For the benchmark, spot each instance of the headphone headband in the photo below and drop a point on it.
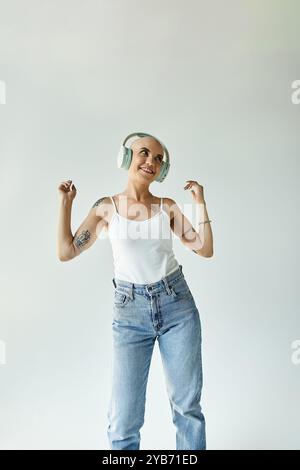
(144, 134)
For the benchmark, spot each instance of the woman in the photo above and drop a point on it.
(152, 299)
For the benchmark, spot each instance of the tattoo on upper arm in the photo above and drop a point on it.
(82, 239)
(98, 202)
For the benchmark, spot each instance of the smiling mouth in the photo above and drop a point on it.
(149, 172)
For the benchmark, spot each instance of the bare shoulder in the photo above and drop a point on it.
(102, 201)
(169, 205)
(102, 207)
(169, 201)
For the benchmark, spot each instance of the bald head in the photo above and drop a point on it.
(149, 142)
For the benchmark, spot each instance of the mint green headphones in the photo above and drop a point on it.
(125, 156)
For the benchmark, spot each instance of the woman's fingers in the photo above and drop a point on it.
(189, 184)
(67, 185)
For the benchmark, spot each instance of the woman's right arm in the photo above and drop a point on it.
(69, 246)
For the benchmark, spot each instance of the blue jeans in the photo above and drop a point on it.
(166, 311)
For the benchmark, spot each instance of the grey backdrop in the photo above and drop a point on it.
(214, 80)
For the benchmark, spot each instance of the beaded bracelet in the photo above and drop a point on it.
(205, 222)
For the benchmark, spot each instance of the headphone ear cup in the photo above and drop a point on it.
(124, 157)
(128, 158)
(163, 172)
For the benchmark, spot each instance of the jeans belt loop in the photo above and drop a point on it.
(131, 291)
(169, 291)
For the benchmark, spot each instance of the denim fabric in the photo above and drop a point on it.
(166, 311)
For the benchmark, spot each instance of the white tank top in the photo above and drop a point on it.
(142, 249)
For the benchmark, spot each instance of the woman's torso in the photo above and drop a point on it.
(141, 239)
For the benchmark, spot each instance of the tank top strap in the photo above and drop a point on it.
(161, 203)
(114, 203)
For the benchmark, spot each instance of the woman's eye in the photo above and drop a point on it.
(159, 158)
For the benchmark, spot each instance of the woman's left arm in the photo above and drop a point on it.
(204, 231)
(200, 241)
(203, 222)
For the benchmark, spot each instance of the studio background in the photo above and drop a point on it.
(213, 80)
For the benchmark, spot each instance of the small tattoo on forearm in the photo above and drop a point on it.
(82, 239)
(98, 202)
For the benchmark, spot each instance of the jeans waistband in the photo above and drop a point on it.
(151, 288)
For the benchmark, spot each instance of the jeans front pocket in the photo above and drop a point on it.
(181, 289)
(121, 298)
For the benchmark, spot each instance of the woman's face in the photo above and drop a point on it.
(147, 158)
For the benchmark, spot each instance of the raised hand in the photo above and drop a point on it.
(67, 190)
(197, 191)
